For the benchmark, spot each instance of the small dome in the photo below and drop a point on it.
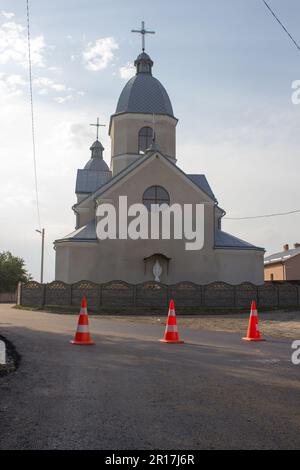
(144, 93)
(96, 162)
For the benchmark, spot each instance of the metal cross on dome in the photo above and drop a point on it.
(143, 32)
(98, 125)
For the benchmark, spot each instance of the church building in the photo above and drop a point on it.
(144, 168)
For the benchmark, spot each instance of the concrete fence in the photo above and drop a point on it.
(8, 297)
(118, 295)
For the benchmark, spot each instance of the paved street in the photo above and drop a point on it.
(130, 391)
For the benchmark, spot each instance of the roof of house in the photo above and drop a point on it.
(225, 240)
(282, 256)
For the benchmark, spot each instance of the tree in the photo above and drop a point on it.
(12, 271)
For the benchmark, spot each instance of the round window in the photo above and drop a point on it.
(155, 195)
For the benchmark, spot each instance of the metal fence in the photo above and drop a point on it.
(121, 295)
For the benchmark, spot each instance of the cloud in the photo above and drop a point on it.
(8, 15)
(63, 99)
(127, 71)
(99, 54)
(13, 46)
(10, 86)
(47, 83)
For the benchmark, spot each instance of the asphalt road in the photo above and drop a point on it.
(130, 391)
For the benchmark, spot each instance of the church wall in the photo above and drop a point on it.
(85, 215)
(62, 260)
(124, 135)
(236, 265)
(99, 263)
(107, 260)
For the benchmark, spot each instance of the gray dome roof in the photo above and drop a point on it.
(144, 93)
(96, 162)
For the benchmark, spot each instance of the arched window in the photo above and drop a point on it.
(145, 138)
(155, 195)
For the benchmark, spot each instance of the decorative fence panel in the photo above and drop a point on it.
(33, 294)
(90, 290)
(58, 293)
(268, 295)
(119, 294)
(219, 294)
(151, 294)
(287, 294)
(244, 294)
(186, 294)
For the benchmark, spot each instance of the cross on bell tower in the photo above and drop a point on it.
(143, 32)
(98, 125)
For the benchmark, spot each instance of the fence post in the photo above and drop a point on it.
(278, 298)
(234, 296)
(19, 290)
(71, 295)
(44, 295)
(134, 295)
(100, 297)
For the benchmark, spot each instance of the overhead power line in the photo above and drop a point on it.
(283, 27)
(32, 117)
(279, 214)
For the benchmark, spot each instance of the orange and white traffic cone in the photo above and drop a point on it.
(253, 333)
(171, 333)
(82, 335)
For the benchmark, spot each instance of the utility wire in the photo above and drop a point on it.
(32, 117)
(283, 27)
(263, 216)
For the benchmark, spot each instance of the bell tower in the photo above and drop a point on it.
(144, 113)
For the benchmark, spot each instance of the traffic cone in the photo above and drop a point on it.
(253, 333)
(171, 333)
(82, 335)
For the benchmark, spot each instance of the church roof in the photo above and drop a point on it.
(96, 161)
(144, 93)
(225, 240)
(222, 239)
(201, 181)
(85, 233)
(89, 180)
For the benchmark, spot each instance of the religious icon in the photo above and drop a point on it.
(157, 271)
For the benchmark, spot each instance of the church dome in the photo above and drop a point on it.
(144, 93)
(96, 162)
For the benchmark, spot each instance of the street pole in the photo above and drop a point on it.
(42, 255)
(42, 232)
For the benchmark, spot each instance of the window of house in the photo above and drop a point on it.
(145, 138)
(155, 195)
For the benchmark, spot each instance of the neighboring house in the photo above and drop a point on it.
(283, 266)
(145, 169)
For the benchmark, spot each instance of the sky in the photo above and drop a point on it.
(228, 68)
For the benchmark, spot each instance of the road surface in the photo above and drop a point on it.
(130, 391)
